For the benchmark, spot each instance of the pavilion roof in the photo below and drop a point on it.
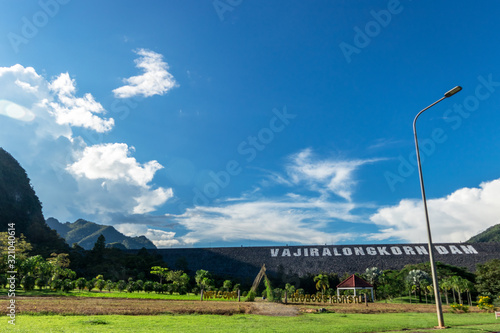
(354, 281)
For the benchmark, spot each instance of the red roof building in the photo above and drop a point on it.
(354, 282)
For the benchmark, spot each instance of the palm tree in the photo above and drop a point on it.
(322, 282)
(445, 285)
(456, 282)
(416, 277)
(468, 287)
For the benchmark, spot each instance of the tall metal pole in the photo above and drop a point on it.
(439, 308)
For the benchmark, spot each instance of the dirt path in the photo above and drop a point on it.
(274, 309)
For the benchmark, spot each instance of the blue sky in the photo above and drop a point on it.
(232, 122)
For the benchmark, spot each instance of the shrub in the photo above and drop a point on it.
(485, 303)
(121, 285)
(28, 282)
(250, 296)
(67, 285)
(456, 308)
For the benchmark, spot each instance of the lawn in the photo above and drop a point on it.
(321, 322)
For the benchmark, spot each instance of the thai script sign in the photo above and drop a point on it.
(319, 298)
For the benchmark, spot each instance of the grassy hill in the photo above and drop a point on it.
(491, 234)
(85, 234)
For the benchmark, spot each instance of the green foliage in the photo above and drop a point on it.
(227, 284)
(492, 234)
(81, 283)
(28, 282)
(203, 279)
(160, 271)
(90, 285)
(250, 296)
(488, 278)
(485, 303)
(56, 284)
(121, 285)
(322, 282)
(456, 308)
(100, 284)
(269, 289)
(67, 285)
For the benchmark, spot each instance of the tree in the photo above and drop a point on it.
(415, 278)
(445, 285)
(100, 284)
(67, 285)
(56, 284)
(227, 284)
(488, 278)
(90, 284)
(100, 244)
(148, 286)
(203, 279)
(109, 285)
(81, 283)
(121, 285)
(28, 282)
(160, 271)
(372, 275)
(322, 282)
(21, 245)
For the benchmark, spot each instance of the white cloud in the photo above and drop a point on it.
(123, 175)
(289, 221)
(101, 179)
(325, 176)
(149, 201)
(156, 80)
(454, 218)
(160, 238)
(112, 161)
(76, 111)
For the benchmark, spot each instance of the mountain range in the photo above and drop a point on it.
(85, 234)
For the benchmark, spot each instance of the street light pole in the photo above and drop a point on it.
(437, 296)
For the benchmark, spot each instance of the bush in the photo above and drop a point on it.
(67, 285)
(485, 303)
(56, 284)
(456, 308)
(28, 282)
(250, 296)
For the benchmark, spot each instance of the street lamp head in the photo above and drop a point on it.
(452, 91)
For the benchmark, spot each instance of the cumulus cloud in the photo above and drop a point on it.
(156, 80)
(325, 175)
(117, 173)
(76, 111)
(71, 177)
(112, 161)
(454, 218)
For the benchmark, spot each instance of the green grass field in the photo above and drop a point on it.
(326, 322)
